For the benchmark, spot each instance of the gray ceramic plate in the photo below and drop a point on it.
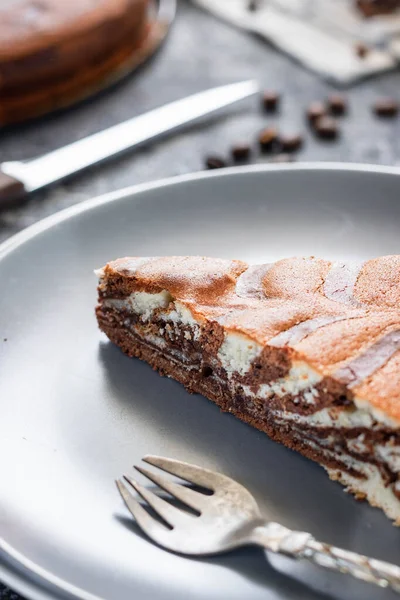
(76, 413)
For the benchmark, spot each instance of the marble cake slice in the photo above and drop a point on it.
(304, 349)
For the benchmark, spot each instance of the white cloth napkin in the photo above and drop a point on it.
(321, 34)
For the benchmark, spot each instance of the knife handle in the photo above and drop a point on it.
(10, 189)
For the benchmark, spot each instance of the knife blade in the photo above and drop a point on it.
(18, 178)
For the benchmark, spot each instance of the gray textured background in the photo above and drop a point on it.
(201, 52)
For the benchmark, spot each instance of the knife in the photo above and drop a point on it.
(18, 178)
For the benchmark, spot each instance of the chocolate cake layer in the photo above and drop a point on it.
(305, 350)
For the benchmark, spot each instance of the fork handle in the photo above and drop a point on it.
(298, 544)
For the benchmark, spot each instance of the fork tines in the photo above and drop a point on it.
(171, 515)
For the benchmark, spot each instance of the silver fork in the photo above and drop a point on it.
(230, 518)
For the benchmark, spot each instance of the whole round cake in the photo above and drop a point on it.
(54, 52)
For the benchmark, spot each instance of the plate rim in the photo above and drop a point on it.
(133, 190)
(17, 571)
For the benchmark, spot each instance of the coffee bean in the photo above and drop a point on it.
(240, 152)
(215, 162)
(290, 143)
(361, 49)
(270, 100)
(337, 104)
(315, 111)
(371, 8)
(326, 128)
(253, 5)
(268, 139)
(386, 107)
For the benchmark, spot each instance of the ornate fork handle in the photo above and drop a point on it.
(298, 544)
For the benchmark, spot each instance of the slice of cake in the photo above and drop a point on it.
(306, 350)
